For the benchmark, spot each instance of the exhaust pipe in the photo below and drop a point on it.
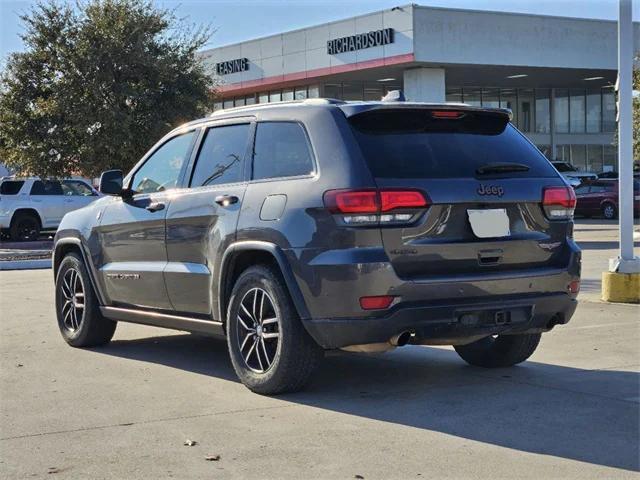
(401, 339)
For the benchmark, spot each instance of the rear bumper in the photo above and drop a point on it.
(524, 314)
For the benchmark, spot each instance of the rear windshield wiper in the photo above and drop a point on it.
(501, 168)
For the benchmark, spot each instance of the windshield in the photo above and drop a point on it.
(413, 144)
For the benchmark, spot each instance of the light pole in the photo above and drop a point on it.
(622, 282)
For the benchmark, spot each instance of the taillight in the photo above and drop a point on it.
(372, 207)
(558, 202)
(447, 114)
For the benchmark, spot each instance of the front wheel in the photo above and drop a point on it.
(25, 227)
(270, 350)
(500, 350)
(79, 319)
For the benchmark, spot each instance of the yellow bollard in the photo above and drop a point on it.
(621, 287)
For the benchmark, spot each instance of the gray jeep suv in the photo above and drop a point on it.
(299, 227)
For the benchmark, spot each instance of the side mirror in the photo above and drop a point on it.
(111, 182)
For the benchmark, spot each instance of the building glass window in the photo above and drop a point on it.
(227, 103)
(314, 91)
(563, 153)
(491, 97)
(287, 95)
(300, 93)
(545, 150)
(333, 90)
(508, 99)
(579, 157)
(594, 158)
(594, 111)
(250, 100)
(454, 95)
(263, 97)
(525, 110)
(472, 96)
(577, 111)
(217, 106)
(608, 110)
(609, 158)
(372, 92)
(561, 110)
(240, 102)
(275, 96)
(352, 91)
(543, 110)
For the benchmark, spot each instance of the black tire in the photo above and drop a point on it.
(25, 227)
(609, 211)
(501, 351)
(80, 327)
(294, 357)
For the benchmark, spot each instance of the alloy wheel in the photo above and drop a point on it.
(72, 299)
(609, 211)
(258, 332)
(27, 229)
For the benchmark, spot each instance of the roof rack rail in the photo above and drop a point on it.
(306, 101)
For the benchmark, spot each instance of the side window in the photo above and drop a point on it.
(11, 187)
(162, 169)
(47, 187)
(582, 189)
(221, 155)
(598, 188)
(281, 150)
(76, 188)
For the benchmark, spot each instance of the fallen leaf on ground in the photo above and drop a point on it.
(212, 458)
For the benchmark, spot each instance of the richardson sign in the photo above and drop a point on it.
(374, 38)
(232, 66)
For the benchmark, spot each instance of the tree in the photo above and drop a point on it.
(97, 85)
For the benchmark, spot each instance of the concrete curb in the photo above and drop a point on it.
(26, 264)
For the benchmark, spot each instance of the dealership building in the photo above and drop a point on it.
(555, 73)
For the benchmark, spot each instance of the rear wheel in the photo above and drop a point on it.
(25, 227)
(79, 319)
(609, 211)
(270, 350)
(500, 350)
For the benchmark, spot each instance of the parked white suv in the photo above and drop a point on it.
(31, 205)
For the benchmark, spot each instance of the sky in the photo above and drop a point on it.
(240, 20)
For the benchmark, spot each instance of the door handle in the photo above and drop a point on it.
(155, 206)
(226, 200)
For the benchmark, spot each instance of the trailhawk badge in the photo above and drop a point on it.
(490, 190)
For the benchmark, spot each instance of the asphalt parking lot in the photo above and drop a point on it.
(125, 410)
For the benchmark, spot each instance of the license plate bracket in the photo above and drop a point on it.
(489, 223)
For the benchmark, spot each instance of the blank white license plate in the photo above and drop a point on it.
(491, 223)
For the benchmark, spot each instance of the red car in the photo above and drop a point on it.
(601, 198)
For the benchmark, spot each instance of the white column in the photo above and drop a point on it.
(424, 85)
(626, 262)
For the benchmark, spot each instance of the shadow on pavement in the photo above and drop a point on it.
(585, 415)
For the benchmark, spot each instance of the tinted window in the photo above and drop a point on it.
(281, 150)
(413, 144)
(11, 187)
(583, 189)
(162, 169)
(220, 158)
(48, 187)
(563, 167)
(76, 188)
(598, 189)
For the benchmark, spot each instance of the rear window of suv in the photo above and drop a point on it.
(11, 187)
(412, 144)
